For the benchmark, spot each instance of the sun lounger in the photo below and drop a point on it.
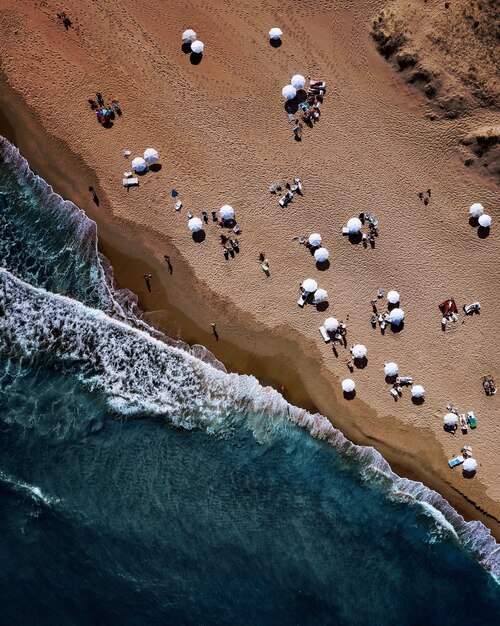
(302, 300)
(178, 205)
(285, 199)
(463, 422)
(404, 380)
(130, 182)
(458, 460)
(393, 391)
(128, 174)
(325, 334)
(345, 230)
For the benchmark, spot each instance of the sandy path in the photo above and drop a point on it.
(223, 137)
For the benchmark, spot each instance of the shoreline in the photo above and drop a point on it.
(69, 176)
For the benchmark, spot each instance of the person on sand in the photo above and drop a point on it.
(147, 278)
(214, 332)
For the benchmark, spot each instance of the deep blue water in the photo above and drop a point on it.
(151, 519)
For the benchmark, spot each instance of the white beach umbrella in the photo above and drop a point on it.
(188, 36)
(485, 220)
(298, 81)
(450, 419)
(315, 240)
(197, 46)
(275, 33)
(396, 316)
(476, 209)
(320, 295)
(348, 385)
(321, 255)
(139, 164)
(354, 225)
(393, 297)
(359, 351)
(288, 92)
(195, 224)
(417, 391)
(309, 285)
(226, 212)
(470, 465)
(150, 155)
(390, 368)
(331, 324)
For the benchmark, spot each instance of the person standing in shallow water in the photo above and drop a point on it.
(215, 333)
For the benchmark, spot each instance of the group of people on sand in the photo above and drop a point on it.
(104, 113)
(309, 108)
(382, 318)
(230, 245)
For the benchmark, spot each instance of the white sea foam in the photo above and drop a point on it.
(33, 491)
(140, 375)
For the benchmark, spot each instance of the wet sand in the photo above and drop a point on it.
(287, 352)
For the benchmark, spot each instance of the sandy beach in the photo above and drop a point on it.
(223, 137)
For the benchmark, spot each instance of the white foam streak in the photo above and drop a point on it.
(32, 490)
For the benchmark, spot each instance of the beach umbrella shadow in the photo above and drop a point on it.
(275, 43)
(483, 232)
(322, 266)
(322, 306)
(361, 363)
(186, 47)
(468, 475)
(397, 329)
(355, 238)
(156, 167)
(473, 221)
(199, 236)
(390, 380)
(349, 395)
(291, 106)
(195, 58)
(418, 401)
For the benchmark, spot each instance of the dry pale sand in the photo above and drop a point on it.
(223, 137)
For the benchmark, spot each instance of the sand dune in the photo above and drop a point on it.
(223, 137)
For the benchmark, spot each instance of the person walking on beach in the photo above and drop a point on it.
(214, 332)
(147, 278)
(170, 268)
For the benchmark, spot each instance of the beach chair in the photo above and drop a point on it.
(285, 199)
(130, 182)
(345, 230)
(394, 392)
(404, 380)
(463, 423)
(178, 205)
(458, 460)
(302, 300)
(324, 333)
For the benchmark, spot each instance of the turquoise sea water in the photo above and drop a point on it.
(140, 485)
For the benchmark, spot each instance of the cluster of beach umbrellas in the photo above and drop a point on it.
(140, 164)
(476, 211)
(321, 254)
(310, 286)
(226, 212)
(189, 37)
(290, 91)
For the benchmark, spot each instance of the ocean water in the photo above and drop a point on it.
(139, 484)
